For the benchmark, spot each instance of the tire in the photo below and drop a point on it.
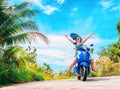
(84, 72)
(79, 77)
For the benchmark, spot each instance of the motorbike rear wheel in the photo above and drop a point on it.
(83, 72)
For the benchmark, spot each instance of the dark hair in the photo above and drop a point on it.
(74, 36)
(79, 37)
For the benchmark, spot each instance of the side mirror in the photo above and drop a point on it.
(91, 45)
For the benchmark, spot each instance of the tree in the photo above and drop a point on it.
(103, 52)
(113, 50)
(118, 27)
(18, 56)
(16, 24)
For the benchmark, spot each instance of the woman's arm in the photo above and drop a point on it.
(87, 37)
(69, 39)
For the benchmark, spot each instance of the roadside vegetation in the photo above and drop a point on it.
(109, 58)
(18, 65)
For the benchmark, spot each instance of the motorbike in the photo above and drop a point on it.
(83, 61)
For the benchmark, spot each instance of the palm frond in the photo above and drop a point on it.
(9, 22)
(24, 26)
(13, 39)
(14, 22)
(21, 6)
(22, 10)
(24, 38)
(27, 13)
(18, 18)
(2, 2)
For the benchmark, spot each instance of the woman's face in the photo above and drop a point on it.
(79, 40)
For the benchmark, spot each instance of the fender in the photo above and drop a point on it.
(84, 64)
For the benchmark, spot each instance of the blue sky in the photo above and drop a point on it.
(59, 17)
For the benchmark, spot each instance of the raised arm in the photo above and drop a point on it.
(69, 39)
(87, 37)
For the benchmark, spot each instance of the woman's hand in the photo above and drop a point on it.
(92, 33)
(65, 35)
(68, 38)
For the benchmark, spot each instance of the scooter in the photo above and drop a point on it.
(83, 61)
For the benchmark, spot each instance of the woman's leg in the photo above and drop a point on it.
(92, 66)
(71, 66)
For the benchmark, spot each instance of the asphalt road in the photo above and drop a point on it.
(91, 83)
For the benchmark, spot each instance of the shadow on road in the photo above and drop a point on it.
(97, 79)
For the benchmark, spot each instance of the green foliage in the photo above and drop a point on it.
(113, 50)
(20, 75)
(19, 66)
(91, 50)
(3, 74)
(15, 25)
(47, 72)
(24, 75)
(109, 62)
(118, 27)
(37, 76)
(106, 67)
(16, 64)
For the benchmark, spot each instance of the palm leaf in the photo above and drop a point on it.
(1, 2)
(21, 6)
(14, 22)
(15, 8)
(9, 22)
(17, 19)
(24, 38)
(24, 26)
(27, 13)
(22, 14)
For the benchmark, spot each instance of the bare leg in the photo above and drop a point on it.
(92, 66)
(71, 66)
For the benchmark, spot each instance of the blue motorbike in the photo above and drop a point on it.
(83, 61)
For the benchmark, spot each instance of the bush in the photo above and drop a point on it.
(93, 74)
(18, 66)
(37, 76)
(3, 75)
(106, 67)
(19, 75)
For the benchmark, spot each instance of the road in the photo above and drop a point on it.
(91, 83)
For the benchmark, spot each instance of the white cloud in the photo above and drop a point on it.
(60, 1)
(55, 56)
(115, 8)
(59, 52)
(54, 53)
(106, 4)
(75, 9)
(47, 9)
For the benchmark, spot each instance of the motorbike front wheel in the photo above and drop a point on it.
(79, 77)
(83, 72)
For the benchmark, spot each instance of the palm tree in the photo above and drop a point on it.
(16, 24)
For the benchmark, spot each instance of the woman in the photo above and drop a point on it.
(78, 42)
